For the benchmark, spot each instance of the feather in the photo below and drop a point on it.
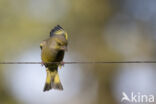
(55, 29)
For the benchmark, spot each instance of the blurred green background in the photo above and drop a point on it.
(99, 30)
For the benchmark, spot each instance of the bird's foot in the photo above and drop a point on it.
(62, 63)
(42, 63)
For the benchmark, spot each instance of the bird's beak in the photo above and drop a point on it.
(64, 48)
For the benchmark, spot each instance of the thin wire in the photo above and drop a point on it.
(84, 62)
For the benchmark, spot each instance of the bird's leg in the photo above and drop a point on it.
(42, 63)
(62, 63)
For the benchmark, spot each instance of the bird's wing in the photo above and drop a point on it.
(42, 44)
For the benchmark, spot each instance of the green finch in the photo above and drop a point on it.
(52, 50)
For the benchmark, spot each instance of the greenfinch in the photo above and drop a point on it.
(53, 50)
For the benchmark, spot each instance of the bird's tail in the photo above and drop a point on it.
(52, 81)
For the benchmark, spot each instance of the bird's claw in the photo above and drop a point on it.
(42, 63)
(62, 63)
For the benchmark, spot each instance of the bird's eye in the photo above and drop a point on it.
(59, 44)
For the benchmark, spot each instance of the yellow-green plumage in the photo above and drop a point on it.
(52, 50)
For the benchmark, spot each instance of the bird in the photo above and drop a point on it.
(53, 50)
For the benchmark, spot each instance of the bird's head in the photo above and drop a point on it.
(61, 43)
(59, 31)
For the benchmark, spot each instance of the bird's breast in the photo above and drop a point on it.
(48, 55)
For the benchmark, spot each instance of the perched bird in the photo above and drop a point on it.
(52, 50)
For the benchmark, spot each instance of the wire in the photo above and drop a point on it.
(83, 62)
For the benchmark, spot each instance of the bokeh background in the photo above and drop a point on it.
(99, 30)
